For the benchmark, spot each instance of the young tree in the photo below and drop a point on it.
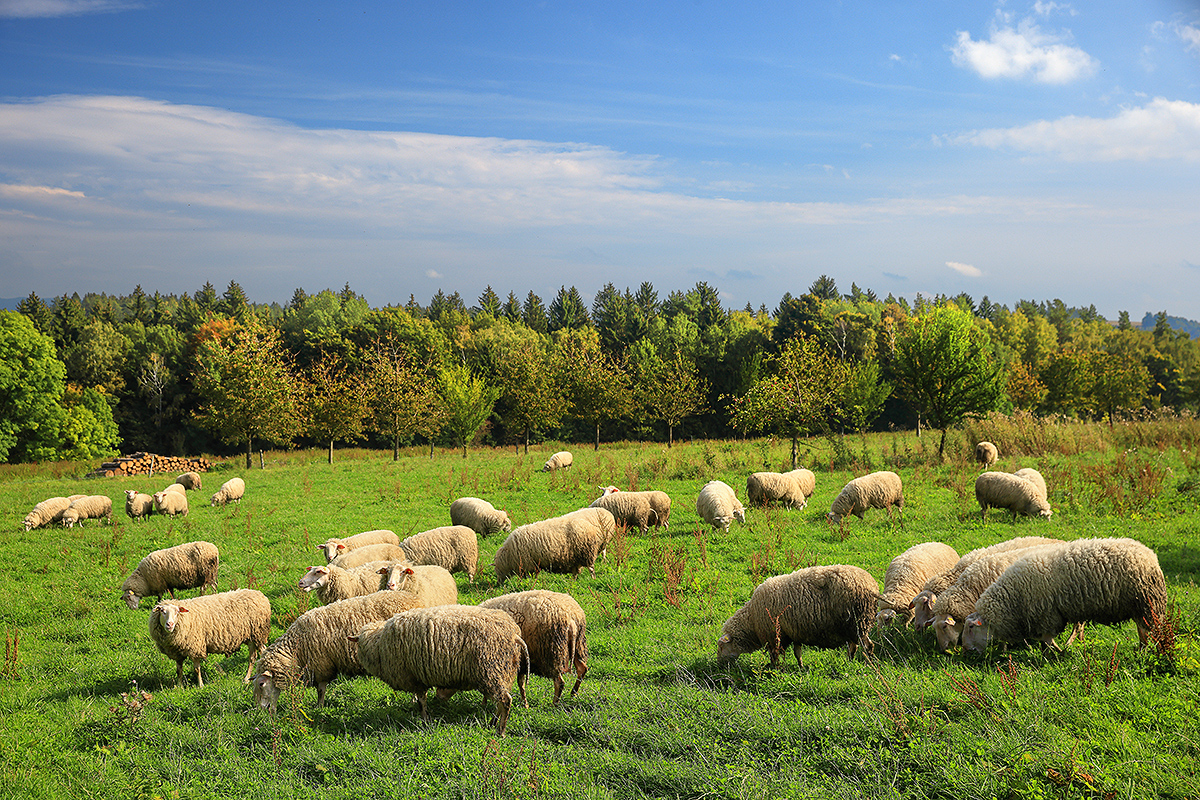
(531, 397)
(335, 402)
(598, 387)
(403, 396)
(31, 386)
(468, 401)
(1119, 382)
(669, 390)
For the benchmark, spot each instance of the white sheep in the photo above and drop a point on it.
(333, 583)
(218, 623)
(315, 648)
(231, 491)
(455, 547)
(95, 506)
(176, 487)
(138, 505)
(454, 648)
(434, 585)
(563, 544)
(1004, 490)
(642, 509)
(171, 503)
(878, 490)
(717, 505)
(554, 628)
(49, 511)
(190, 480)
(1033, 476)
(1089, 580)
(560, 460)
(905, 576)
(824, 607)
(479, 515)
(371, 552)
(986, 453)
(335, 547)
(792, 489)
(184, 566)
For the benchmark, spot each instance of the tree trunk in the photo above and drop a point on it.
(249, 451)
(431, 447)
(395, 448)
(331, 451)
(464, 449)
(527, 441)
(795, 448)
(670, 435)
(597, 447)
(942, 446)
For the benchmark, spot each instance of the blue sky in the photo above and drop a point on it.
(1015, 150)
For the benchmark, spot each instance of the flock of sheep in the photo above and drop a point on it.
(390, 607)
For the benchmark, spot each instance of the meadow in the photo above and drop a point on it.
(88, 706)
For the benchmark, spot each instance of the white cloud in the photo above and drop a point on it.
(964, 269)
(432, 274)
(36, 192)
(1190, 34)
(1024, 51)
(1046, 9)
(29, 9)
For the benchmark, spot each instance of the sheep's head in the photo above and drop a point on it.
(946, 630)
(131, 599)
(885, 617)
(130, 494)
(266, 692)
(607, 490)
(922, 606)
(975, 635)
(168, 615)
(315, 578)
(726, 649)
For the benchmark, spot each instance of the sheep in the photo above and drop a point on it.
(560, 460)
(986, 454)
(171, 503)
(49, 511)
(1002, 490)
(717, 505)
(184, 566)
(455, 547)
(335, 547)
(434, 585)
(334, 583)
(1033, 476)
(554, 628)
(219, 623)
(905, 576)
(231, 491)
(479, 515)
(315, 649)
(138, 505)
(563, 544)
(95, 506)
(189, 480)
(877, 490)
(636, 508)
(450, 647)
(176, 487)
(923, 603)
(817, 606)
(1088, 580)
(790, 488)
(371, 552)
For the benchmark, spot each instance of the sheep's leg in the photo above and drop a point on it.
(851, 649)
(179, 672)
(199, 677)
(1143, 632)
(1076, 633)
(796, 653)
(503, 709)
(420, 698)
(581, 669)
(321, 687)
(559, 683)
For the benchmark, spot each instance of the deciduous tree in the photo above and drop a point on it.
(335, 402)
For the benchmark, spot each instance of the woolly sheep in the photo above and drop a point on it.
(717, 505)
(49, 511)
(231, 491)
(1089, 580)
(315, 649)
(184, 566)
(986, 454)
(450, 647)
(792, 489)
(95, 506)
(219, 623)
(554, 628)
(563, 544)
(138, 505)
(905, 576)
(1003, 490)
(333, 583)
(454, 547)
(1033, 476)
(560, 460)
(434, 585)
(335, 547)
(170, 503)
(822, 607)
(642, 509)
(371, 552)
(877, 490)
(479, 515)
(176, 487)
(189, 480)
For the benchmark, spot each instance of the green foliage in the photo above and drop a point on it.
(31, 387)
(335, 403)
(467, 400)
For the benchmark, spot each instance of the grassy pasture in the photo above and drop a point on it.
(656, 716)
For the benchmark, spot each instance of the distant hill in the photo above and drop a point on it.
(1178, 323)
(11, 303)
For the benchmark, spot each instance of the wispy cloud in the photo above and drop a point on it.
(964, 269)
(30, 9)
(1023, 52)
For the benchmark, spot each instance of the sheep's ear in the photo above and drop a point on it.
(353, 638)
(978, 622)
(408, 570)
(182, 608)
(341, 547)
(382, 571)
(320, 546)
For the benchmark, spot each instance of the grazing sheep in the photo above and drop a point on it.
(334, 583)
(1019, 496)
(170, 503)
(792, 489)
(642, 509)
(138, 505)
(986, 454)
(1089, 580)
(821, 607)
(1033, 476)
(189, 480)
(905, 576)
(315, 648)
(717, 505)
(219, 623)
(231, 491)
(95, 506)
(479, 515)
(49, 511)
(335, 547)
(555, 630)
(184, 566)
(371, 552)
(434, 585)
(454, 547)
(560, 460)
(176, 487)
(563, 544)
(877, 490)
(450, 647)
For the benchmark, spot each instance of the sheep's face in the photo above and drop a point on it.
(975, 635)
(398, 577)
(130, 494)
(70, 517)
(131, 599)
(947, 631)
(330, 550)
(266, 693)
(726, 649)
(922, 606)
(740, 515)
(168, 615)
(29, 521)
(315, 578)
(885, 617)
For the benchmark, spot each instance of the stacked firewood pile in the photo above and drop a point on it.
(150, 464)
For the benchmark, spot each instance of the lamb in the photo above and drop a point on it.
(1089, 580)
(189, 480)
(560, 460)
(877, 490)
(334, 583)
(1033, 476)
(219, 623)
(171, 502)
(986, 454)
(822, 607)
(479, 515)
(95, 506)
(335, 547)
(1002, 490)
(231, 491)
(184, 566)
(790, 488)
(49, 511)
(717, 505)
(563, 544)
(371, 552)
(451, 647)
(554, 628)
(138, 505)
(434, 585)
(315, 648)
(636, 508)
(905, 576)
(454, 547)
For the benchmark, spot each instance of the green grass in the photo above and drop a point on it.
(656, 716)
